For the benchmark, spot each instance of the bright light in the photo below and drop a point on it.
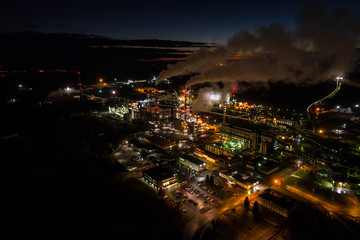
(337, 106)
(100, 91)
(215, 97)
(357, 105)
(68, 89)
(101, 80)
(20, 86)
(276, 181)
(113, 92)
(321, 131)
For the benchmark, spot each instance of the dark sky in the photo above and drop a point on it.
(195, 20)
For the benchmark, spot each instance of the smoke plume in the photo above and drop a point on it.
(322, 45)
(207, 97)
(63, 92)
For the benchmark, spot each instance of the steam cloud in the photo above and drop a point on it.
(63, 92)
(323, 45)
(207, 97)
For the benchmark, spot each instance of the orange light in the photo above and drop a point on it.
(276, 181)
(321, 131)
(101, 80)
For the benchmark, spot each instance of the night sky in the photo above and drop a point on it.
(196, 20)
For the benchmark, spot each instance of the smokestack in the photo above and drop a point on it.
(185, 111)
(156, 105)
(80, 85)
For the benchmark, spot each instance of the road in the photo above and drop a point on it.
(200, 221)
(203, 219)
(332, 94)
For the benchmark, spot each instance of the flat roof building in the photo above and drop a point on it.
(160, 142)
(245, 182)
(160, 177)
(141, 146)
(192, 163)
(277, 202)
(268, 167)
(228, 174)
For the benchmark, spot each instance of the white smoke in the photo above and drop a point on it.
(63, 92)
(324, 44)
(207, 97)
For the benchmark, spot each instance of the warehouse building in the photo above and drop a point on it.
(191, 164)
(246, 136)
(160, 177)
(276, 202)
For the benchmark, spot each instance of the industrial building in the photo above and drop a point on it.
(191, 163)
(160, 142)
(268, 167)
(159, 114)
(266, 144)
(216, 148)
(276, 202)
(247, 136)
(235, 177)
(228, 174)
(245, 181)
(160, 177)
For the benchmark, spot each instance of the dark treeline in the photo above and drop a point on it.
(59, 181)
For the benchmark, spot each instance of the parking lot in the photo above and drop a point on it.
(192, 200)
